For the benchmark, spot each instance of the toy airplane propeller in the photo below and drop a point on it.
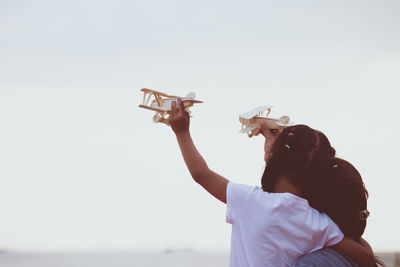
(161, 103)
(251, 121)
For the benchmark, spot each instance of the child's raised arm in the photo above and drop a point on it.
(214, 183)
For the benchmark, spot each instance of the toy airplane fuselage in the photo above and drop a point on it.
(251, 121)
(161, 103)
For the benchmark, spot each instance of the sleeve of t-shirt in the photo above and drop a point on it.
(236, 197)
(333, 235)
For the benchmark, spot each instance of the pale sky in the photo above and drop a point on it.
(83, 168)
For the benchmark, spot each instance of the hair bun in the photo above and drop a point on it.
(324, 151)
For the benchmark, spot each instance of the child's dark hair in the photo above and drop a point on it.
(331, 185)
(290, 155)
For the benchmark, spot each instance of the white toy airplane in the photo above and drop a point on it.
(162, 103)
(252, 120)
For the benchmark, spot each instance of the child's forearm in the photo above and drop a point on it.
(194, 161)
(366, 245)
(363, 256)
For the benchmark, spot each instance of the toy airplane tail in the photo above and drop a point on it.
(191, 95)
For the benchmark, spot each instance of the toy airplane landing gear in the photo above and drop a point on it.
(251, 121)
(161, 103)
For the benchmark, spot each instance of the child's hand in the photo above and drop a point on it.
(270, 136)
(179, 118)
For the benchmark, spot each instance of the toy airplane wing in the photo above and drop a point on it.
(156, 109)
(150, 91)
(255, 112)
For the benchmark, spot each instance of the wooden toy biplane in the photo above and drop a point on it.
(161, 103)
(251, 121)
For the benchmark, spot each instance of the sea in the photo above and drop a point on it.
(133, 259)
(114, 259)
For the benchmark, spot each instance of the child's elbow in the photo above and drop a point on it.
(200, 176)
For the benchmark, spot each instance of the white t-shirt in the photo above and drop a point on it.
(274, 229)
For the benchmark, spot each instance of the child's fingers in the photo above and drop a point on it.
(276, 132)
(263, 125)
(256, 132)
(174, 109)
(180, 104)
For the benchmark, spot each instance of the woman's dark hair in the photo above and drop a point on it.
(335, 187)
(331, 185)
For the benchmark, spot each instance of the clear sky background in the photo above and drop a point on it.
(83, 168)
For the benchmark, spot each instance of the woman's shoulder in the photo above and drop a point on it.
(326, 257)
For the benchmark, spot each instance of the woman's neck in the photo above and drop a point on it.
(283, 185)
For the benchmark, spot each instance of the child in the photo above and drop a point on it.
(269, 229)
